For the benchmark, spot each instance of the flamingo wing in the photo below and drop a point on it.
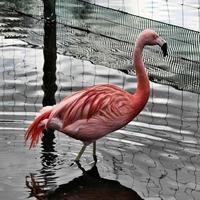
(104, 106)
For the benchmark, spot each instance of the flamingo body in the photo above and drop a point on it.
(91, 113)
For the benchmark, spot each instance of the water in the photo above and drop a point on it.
(156, 155)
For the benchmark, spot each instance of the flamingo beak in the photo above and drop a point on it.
(163, 44)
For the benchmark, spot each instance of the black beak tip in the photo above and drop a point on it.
(164, 49)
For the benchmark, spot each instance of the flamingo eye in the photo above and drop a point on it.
(155, 36)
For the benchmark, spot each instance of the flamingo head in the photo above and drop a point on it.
(150, 37)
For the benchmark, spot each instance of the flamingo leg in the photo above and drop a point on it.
(94, 152)
(80, 153)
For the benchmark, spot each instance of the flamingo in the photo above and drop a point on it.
(96, 111)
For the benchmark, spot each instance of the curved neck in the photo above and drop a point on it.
(143, 88)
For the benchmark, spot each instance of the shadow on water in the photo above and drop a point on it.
(87, 186)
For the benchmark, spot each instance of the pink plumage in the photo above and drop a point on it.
(91, 113)
(86, 115)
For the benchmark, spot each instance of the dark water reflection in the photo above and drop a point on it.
(87, 186)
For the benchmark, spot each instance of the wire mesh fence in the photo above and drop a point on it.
(183, 13)
(106, 36)
(157, 154)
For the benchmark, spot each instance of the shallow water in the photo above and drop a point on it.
(156, 155)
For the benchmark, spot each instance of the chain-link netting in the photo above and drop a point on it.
(157, 154)
(106, 36)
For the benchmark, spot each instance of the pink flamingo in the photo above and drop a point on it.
(92, 113)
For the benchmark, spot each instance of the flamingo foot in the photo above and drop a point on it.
(78, 164)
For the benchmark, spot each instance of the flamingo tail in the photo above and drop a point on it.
(35, 130)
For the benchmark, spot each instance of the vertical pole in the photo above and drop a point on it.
(49, 68)
(49, 51)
